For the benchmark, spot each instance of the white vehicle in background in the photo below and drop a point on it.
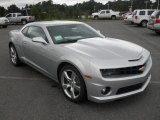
(18, 18)
(106, 14)
(154, 22)
(141, 17)
(128, 18)
(4, 22)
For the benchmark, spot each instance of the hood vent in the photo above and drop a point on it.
(133, 60)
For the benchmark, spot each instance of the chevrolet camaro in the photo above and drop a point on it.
(85, 63)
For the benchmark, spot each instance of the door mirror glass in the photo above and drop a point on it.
(39, 40)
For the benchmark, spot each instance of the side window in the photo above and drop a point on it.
(14, 15)
(107, 11)
(102, 12)
(9, 15)
(24, 31)
(142, 13)
(150, 12)
(34, 31)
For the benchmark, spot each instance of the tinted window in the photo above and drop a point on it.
(103, 12)
(150, 12)
(9, 15)
(73, 32)
(107, 11)
(24, 31)
(14, 15)
(36, 32)
(142, 13)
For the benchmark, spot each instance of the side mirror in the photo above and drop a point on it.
(39, 40)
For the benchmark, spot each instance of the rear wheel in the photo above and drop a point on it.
(14, 56)
(24, 22)
(144, 23)
(72, 84)
(113, 17)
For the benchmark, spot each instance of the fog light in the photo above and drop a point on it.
(105, 90)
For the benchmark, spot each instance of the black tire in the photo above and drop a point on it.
(144, 23)
(24, 22)
(113, 17)
(14, 56)
(82, 94)
(157, 32)
(4, 26)
(96, 17)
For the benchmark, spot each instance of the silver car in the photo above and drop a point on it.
(86, 64)
(154, 22)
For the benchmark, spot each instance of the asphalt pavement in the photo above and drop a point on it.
(26, 94)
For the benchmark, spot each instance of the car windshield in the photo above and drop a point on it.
(71, 33)
(155, 14)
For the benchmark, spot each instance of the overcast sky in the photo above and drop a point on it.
(21, 3)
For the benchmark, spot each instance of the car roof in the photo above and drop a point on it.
(54, 23)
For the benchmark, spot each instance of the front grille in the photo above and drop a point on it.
(129, 88)
(123, 71)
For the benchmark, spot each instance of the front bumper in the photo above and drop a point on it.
(94, 88)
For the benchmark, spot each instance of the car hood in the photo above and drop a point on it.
(106, 49)
(3, 18)
(95, 13)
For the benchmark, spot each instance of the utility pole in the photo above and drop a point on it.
(146, 3)
(131, 3)
(158, 4)
(108, 6)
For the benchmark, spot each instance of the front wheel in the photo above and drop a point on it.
(96, 18)
(113, 17)
(72, 84)
(14, 56)
(24, 22)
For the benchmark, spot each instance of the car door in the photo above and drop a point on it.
(102, 14)
(108, 14)
(9, 17)
(37, 54)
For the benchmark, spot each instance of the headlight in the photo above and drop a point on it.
(123, 71)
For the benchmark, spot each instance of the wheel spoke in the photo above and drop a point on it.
(73, 76)
(66, 76)
(72, 93)
(66, 86)
(76, 87)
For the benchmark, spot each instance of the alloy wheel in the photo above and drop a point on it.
(13, 55)
(70, 84)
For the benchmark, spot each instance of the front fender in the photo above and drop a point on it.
(82, 64)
